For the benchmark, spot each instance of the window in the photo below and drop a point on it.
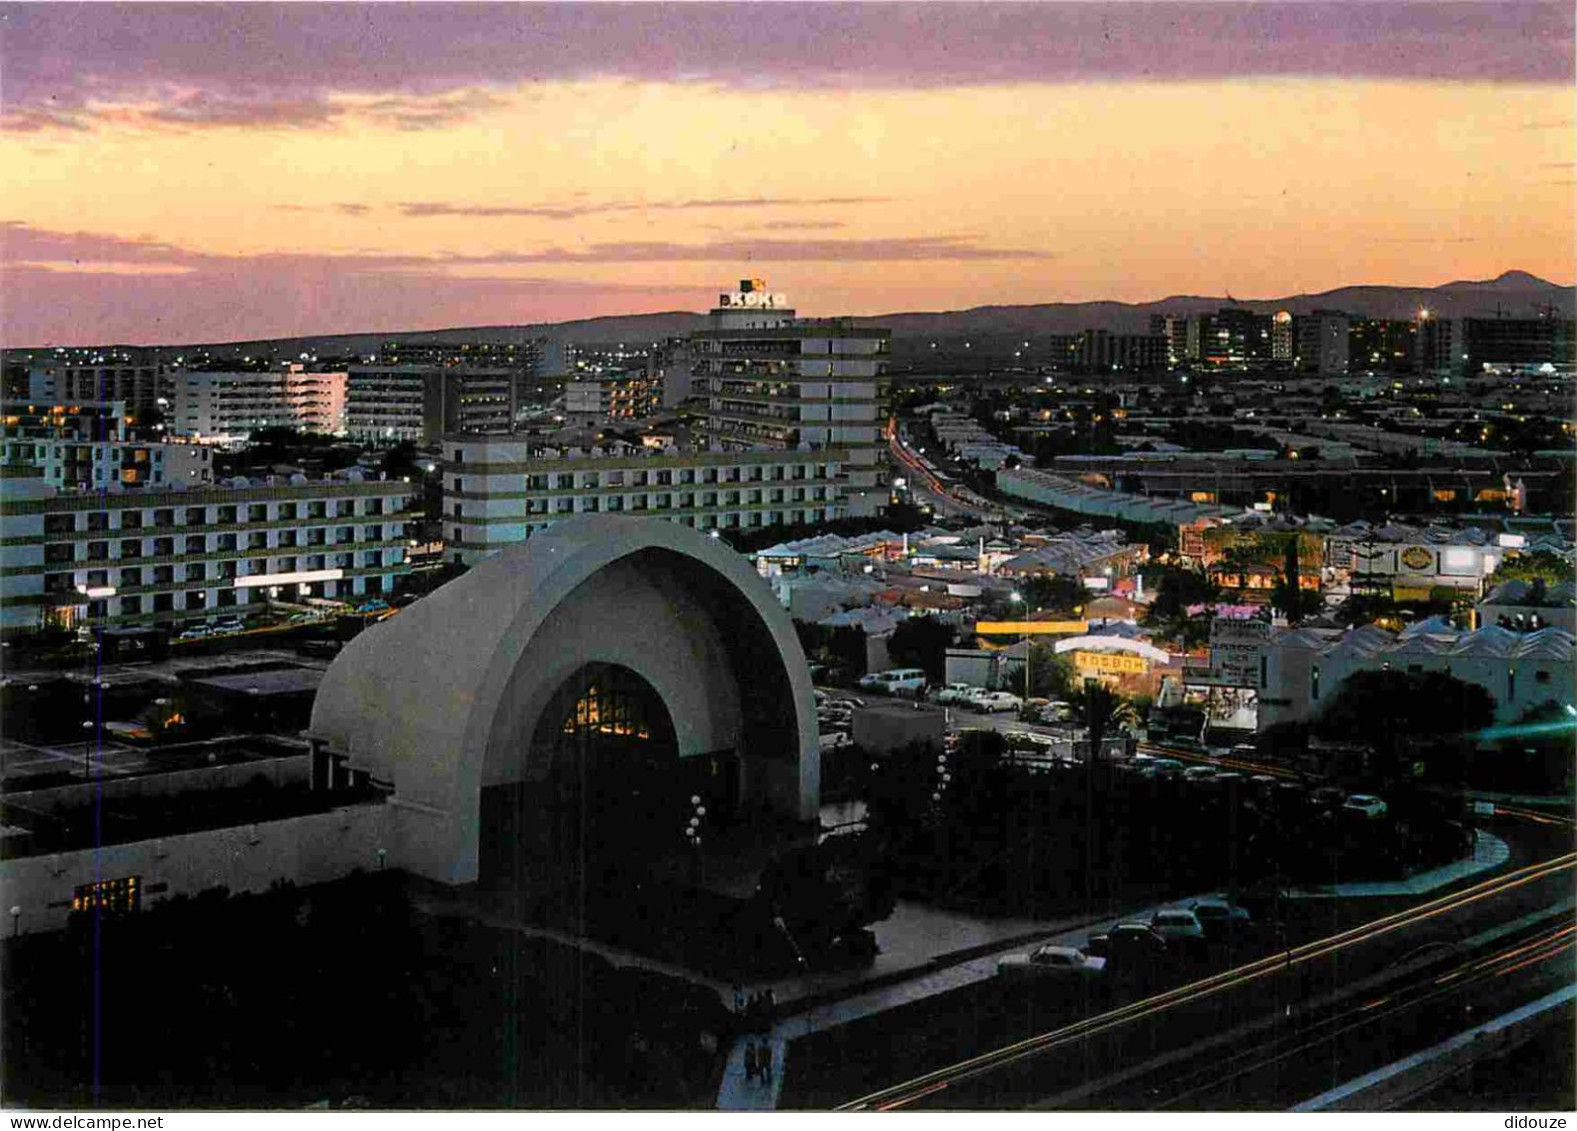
(164, 517)
(287, 510)
(196, 544)
(196, 516)
(98, 520)
(345, 508)
(226, 515)
(130, 577)
(131, 549)
(130, 606)
(459, 486)
(98, 551)
(109, 895)
(131, 520)
(257, 512)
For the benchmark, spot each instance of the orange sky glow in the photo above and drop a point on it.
(552, 200)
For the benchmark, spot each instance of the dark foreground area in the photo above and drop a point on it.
(342, 995)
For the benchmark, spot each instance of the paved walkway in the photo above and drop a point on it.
(1489, 851)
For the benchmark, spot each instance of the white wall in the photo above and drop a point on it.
(305, 850)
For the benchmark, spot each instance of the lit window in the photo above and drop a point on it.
(108, 895)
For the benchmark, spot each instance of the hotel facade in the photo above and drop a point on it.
(161, 556)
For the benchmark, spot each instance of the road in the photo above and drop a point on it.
(946, 500)
(1039, 1047)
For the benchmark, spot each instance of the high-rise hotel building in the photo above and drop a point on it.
(776, 382)
(791, 435)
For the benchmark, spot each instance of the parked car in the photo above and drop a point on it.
(1245, 750)
(956, 693)
(835, 740)
(229, 624)
(1365, 804)
(898, 681)
(196, 632)
(1219, 918)
(1051, 962)
(1194, 773)
(1177, 926)
(988, 702)
(376, 605)
(1328, 797)
(1127, 946)
(1161, 768)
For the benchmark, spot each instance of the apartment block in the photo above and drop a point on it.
(501, 490)
(137, 556)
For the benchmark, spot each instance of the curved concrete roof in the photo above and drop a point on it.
(423, 701)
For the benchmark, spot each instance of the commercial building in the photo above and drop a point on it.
(777, 382)
(538, 357)
(137, 556)
(501, 490)
(631, 394)
(1464, 346)
(1322, 342)
(1102, 351)
(1303, 668)
(1173, 329)
(1382, 344)
(387, 404)
(233, 405)
(127, 374)
(1231, 338)
(1407, 562)
(636, 673)
(85, 446)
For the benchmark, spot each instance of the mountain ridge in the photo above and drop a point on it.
(1513, 293)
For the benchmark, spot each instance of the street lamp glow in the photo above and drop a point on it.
(1015, 596)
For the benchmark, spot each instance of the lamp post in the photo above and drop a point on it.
(16, 921)
(1018, 599)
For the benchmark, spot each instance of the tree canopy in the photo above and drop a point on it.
(922, 642)
(1388, 705)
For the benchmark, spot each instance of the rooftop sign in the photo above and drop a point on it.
(755, 300)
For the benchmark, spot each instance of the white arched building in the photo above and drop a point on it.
(631, 631)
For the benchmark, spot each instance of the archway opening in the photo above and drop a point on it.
(608, 794)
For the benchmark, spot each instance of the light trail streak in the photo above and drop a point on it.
(899, 1095)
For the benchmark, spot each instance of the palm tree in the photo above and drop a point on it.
(1103, 711)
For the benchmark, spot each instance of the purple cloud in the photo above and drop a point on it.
(284, 56)
(231, 296)
(24, 244)
(420, 209)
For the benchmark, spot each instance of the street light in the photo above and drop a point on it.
(1018, 598)
(16, 921)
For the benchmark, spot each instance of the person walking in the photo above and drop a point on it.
(739, 1000)
(750, 1060)
(766, 1061)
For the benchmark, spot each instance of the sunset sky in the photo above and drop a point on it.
(208, 172)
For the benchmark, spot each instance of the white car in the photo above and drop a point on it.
(836, 740)
(199, 632)
(989, 701)
(957, 693)
(1051, 962)
(1176, 925)
(899, 681)
(1365, 804)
